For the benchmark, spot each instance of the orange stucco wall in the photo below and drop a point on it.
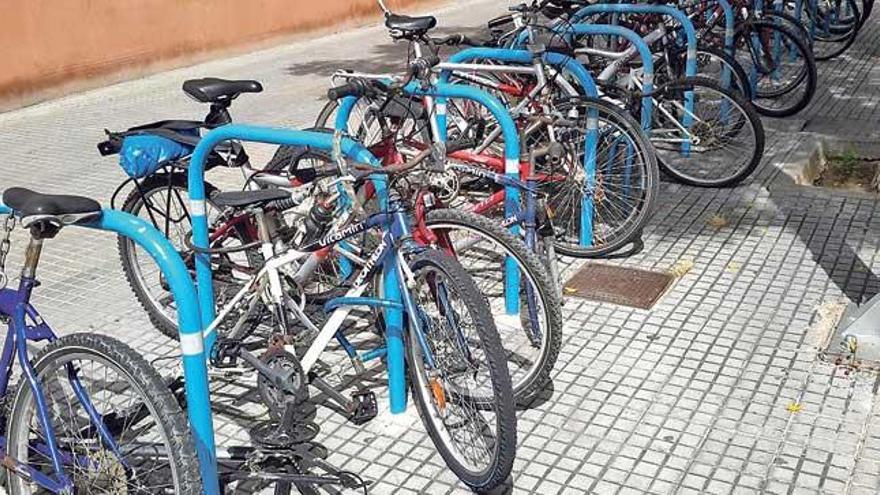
(46, 44)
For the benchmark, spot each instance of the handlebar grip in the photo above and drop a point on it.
(339, 92)
(354, 87)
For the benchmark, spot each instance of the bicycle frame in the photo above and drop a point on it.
(16, 307)
(396, 228)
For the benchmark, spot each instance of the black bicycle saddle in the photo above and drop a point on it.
(409, 26)
(49, 212)
(215, 90)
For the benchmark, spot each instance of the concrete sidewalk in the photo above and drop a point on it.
(718, 389)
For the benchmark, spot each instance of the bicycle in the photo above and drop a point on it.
(411, 278)
(90, 413)
(704, 135)
(530, 323)
(698, 128)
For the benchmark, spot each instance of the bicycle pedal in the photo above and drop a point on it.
(365, 407)
(226, 354)
(228, 364)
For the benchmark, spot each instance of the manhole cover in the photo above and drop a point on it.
(619, 285)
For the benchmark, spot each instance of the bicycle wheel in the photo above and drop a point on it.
(602, 205)
(835, 26)
(532, 335)
(725, 139)
(458, 373)
(152, 450)
(780, 67)
(162, 201)
(867, 7)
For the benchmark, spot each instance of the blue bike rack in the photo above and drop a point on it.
(690, 34)
(442, 92)
(585, 80)
(729, 32)
(631, 36)
(587, 205)
(204, 312)
(729, 26)
(581, 29)
(196, 186)
(190, 325)
(683, 20)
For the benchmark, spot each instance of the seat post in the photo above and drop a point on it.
(219, 114)
(32, 257)
(263, 228)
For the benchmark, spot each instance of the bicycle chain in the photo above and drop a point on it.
(8, 227)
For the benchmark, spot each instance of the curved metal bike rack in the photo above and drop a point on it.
(690, 34)
(584, 78)
(442, 92)
(203, 312)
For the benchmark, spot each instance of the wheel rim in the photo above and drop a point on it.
(617, 192)
(484, 259)
(77, 438)
(728, 138)
(465, 420)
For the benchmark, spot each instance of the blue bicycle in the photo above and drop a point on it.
(90, 415)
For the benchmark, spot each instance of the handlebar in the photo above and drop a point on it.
(419, 68)
(367, 169)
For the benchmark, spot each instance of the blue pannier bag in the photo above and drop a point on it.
(142, 154)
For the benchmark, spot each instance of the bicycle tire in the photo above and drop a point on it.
(166, 323)
(528, 386)
(806, 76)
(750, 120)
(867, 8)
(837, 46)
(832, 43)
(618, 235)
(501, 403)
(128, 365)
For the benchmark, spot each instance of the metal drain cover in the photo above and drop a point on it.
(618, 285)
